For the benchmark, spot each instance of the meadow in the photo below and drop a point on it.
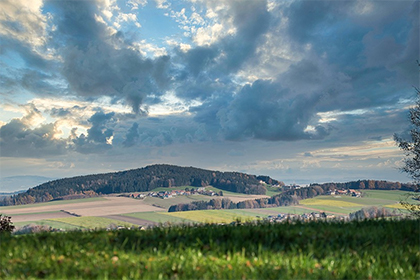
(375, 249)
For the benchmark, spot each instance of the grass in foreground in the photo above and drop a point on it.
(357, 250)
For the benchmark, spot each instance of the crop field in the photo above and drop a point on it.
(319, 250)
(329, 202)
(158, 217)
(210, 216)
(92, 222)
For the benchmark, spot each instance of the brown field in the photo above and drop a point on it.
(39, 216)
(109, 206)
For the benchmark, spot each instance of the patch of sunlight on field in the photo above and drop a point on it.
(328, 202)
(397, 206)
(92, 222)
(210, 216)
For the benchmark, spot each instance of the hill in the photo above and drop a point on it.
(139, 180)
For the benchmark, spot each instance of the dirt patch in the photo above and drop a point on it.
(37, 217)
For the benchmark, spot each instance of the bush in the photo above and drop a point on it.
(6, 225)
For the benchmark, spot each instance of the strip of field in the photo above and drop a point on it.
(158, 217)
(329, 202)
(132, 220)
(50, 203)
(210, 216)
(39, 216)
(49, 223)
(243, 197)
(92, 222)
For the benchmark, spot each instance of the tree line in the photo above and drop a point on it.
(369, 185)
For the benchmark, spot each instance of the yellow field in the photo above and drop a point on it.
(209, 216)
(397, 206)
(328, 202)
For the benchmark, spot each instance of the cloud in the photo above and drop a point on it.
(17, 139)
(99, 135)
(98, 63)
(131, 136)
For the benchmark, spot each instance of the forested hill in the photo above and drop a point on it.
(143, 179)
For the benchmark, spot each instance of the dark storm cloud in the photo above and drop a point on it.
(18, 140)
(131, 136)
(265, 110)
(99, 64)
(97, 135)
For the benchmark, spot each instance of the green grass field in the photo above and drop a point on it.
(158, 217)
(91, 222)
(357, 250)
(210, 216)
(49, 223)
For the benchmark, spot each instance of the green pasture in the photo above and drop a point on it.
(56, 202)
(50, 223)
(385, 194)
(92, 222)
(271, 191)
(157, 217)
(377, 249)
(210, 216)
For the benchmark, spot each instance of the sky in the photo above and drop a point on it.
(302, 91)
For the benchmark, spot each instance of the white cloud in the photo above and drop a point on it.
(24, 21)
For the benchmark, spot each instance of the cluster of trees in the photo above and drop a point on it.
(141, 180)
(371, 213)
(226, 203)
(369, 184)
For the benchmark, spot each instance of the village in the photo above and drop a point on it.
(306, 217)
(174, 193)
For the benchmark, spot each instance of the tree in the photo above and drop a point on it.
(6, 225)
(411, 149)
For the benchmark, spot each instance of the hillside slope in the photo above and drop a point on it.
(142, 179)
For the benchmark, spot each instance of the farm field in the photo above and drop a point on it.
(51, 203)
(347, 204)
(92, 222)
(151, 210)
(211, 216)
(158, 217)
